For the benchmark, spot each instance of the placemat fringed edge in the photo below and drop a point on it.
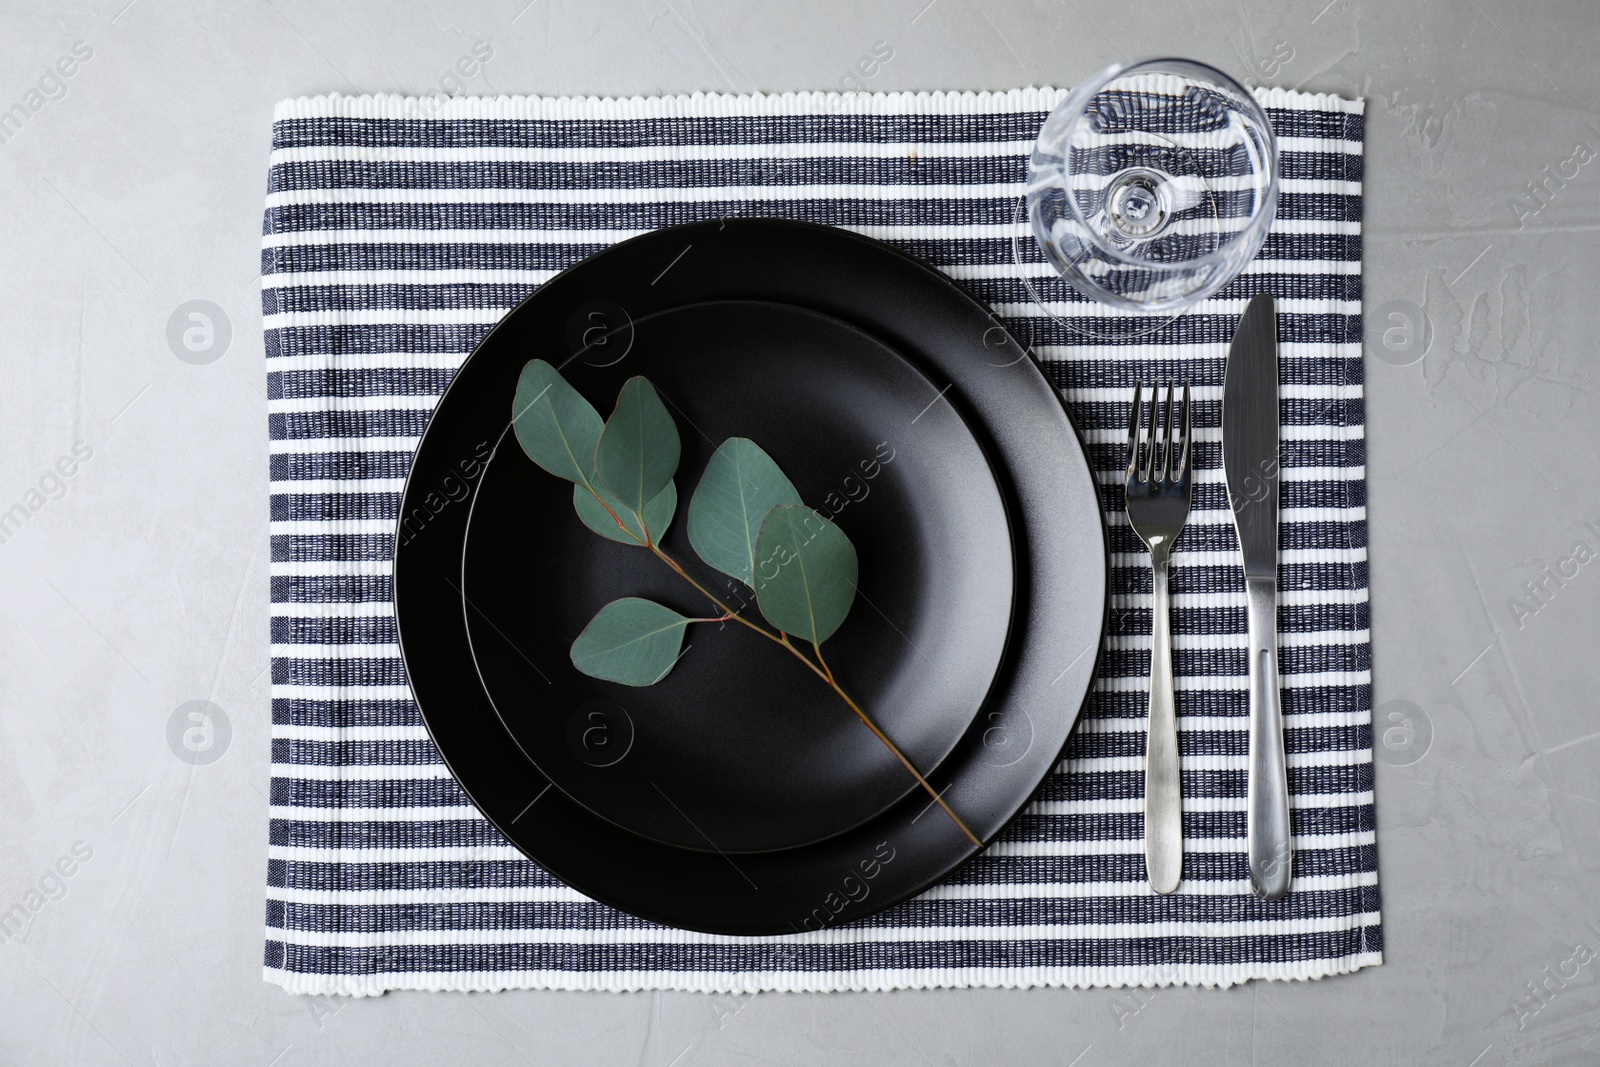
(720, 105)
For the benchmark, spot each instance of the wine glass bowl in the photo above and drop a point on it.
(1153, 185)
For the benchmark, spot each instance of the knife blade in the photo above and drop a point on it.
(1250, 460)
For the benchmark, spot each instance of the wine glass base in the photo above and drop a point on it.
(1137, 205)
(1099, 322)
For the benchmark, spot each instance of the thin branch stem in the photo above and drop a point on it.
(891, 746)
(732, 615)
(823, 671)
(618, 518)
(820, 668)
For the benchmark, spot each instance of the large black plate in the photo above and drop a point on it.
(751, 749)
(1058, 545)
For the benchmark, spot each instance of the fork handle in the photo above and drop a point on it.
(1163, 795)
(1267, 792)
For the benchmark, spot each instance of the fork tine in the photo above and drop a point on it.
(1150, 432)
(1188, 426)
(1133, 428)
(1169, 462)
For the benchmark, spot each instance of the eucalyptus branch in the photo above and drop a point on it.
(618, 518)
(826, 674)
(862, 715)
(744, 509)
(729, 612)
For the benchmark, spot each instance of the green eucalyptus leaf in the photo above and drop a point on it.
(805, 572)
(740, 485)
(556, 427)
(638, 451)
(632, 641)
(657, 514)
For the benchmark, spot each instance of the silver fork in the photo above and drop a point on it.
(1157, 495)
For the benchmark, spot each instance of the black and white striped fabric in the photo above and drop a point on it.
(398, 231)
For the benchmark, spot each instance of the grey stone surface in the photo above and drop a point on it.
(140, 584)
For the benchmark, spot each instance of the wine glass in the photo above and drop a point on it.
(1150, 188)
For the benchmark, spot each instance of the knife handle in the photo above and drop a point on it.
(1267, 791)
(1163, 795)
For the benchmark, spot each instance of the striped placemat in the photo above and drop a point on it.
(398, 231)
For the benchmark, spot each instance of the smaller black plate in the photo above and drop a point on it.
(741, 749)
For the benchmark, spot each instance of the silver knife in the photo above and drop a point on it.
(1250, 461)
